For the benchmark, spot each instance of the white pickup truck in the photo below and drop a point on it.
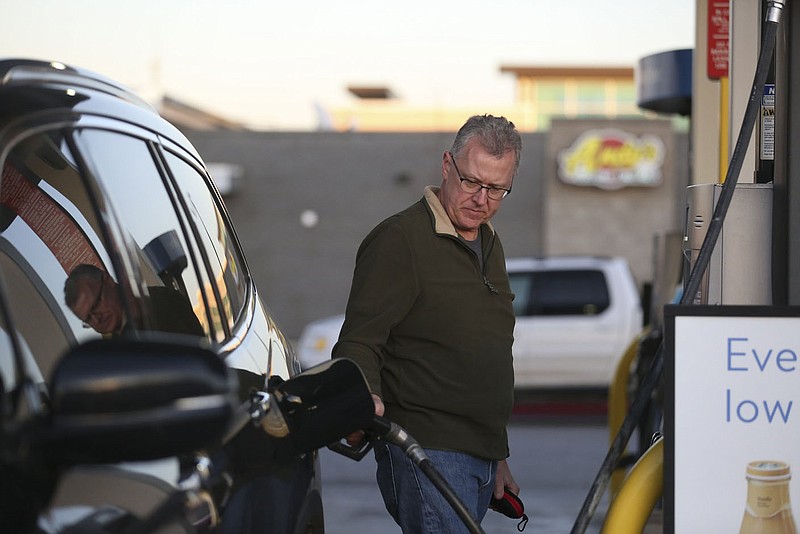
(576, 315)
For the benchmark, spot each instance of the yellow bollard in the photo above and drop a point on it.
(618, 400)
(644, 485)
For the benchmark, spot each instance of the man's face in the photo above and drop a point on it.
(98, 305)
(468, 211)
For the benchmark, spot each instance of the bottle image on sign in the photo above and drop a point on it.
(769, 508)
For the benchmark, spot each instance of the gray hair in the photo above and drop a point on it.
(77, 276)
(497, 135)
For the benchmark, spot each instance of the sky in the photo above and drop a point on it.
(272, 65)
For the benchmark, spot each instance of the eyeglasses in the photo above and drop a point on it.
(93, 313)
(473, 186)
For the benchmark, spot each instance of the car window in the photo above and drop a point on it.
(8, 365)
(48, 226)
(215, 238)
(151, 231)
(559, 292)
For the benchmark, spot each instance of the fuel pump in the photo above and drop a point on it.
(772, 17)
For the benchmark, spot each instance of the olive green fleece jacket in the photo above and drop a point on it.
(432, 333)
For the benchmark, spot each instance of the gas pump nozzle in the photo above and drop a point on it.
(381, 429)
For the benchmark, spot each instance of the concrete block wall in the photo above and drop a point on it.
(351, 181)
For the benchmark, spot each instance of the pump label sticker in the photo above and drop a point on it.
(612, 159)
(768, 122)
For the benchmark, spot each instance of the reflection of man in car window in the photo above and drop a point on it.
(96, 299)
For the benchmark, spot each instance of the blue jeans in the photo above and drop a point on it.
(417, 505)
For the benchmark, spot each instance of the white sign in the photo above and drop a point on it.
(733, 399)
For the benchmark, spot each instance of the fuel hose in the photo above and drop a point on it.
(393, 433)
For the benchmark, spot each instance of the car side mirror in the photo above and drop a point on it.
(120, 400)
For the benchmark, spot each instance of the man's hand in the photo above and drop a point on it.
(503, 480)
(356, 438)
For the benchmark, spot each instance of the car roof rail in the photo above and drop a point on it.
(31, 71)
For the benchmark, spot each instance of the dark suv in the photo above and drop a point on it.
(113, 238)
